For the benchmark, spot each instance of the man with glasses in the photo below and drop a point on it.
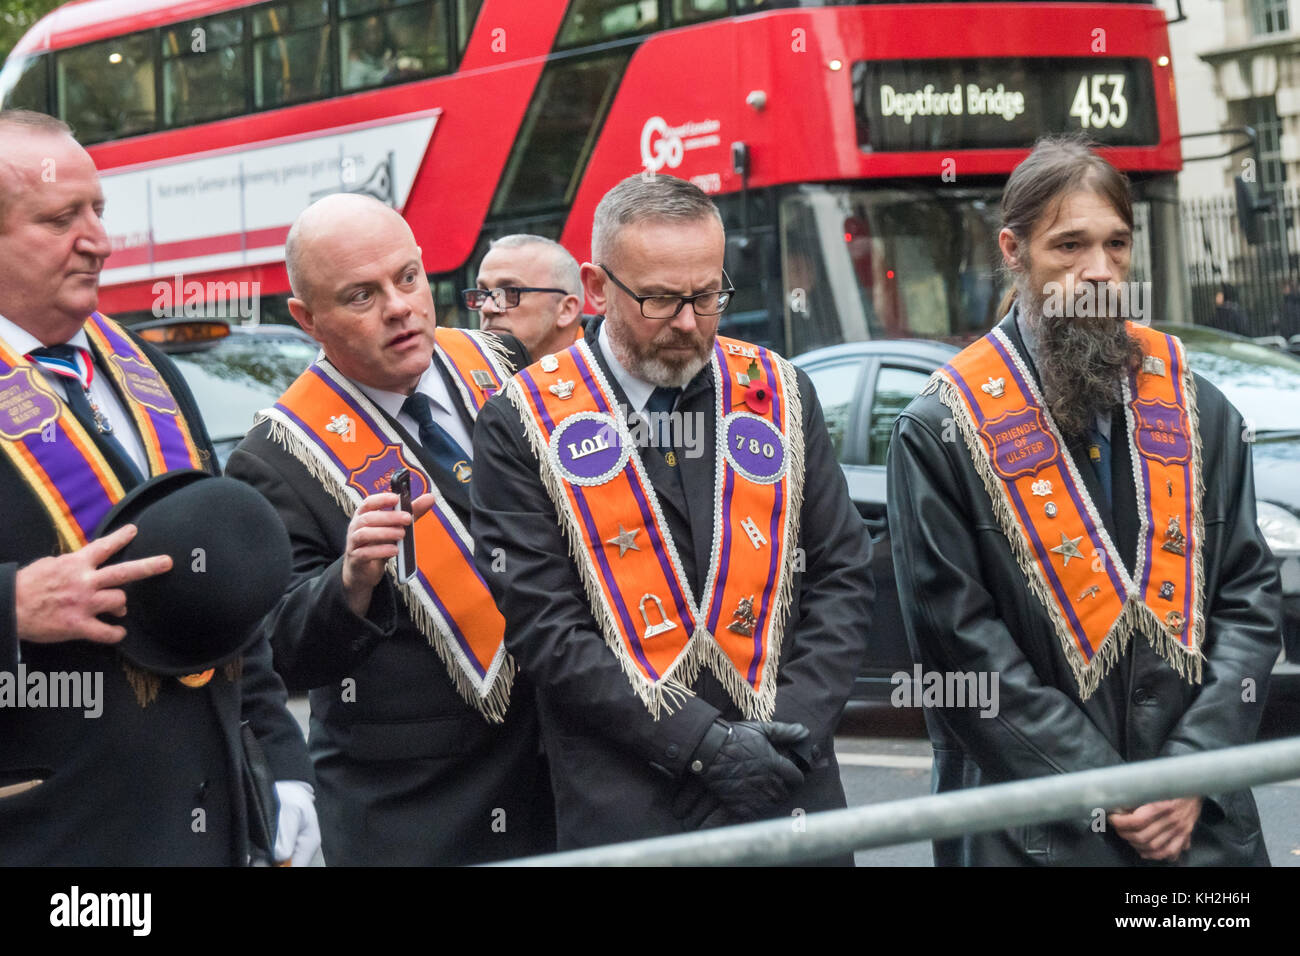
(694, 651)
(529, 287)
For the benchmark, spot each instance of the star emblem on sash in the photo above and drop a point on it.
(626, 540)
(1069, 548)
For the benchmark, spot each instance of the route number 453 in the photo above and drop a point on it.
(1110, 110)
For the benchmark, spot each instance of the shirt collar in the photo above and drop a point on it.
(637, 391)
(430, 385)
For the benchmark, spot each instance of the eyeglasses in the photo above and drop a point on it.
(667, 306)
(507, 297)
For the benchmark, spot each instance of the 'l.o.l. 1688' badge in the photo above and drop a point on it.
(588, 449)
(755, 447)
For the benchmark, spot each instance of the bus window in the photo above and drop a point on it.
(292, 59)
(557, 135)
(386, 42)
(203, 70)
(590, 21)
(466, 14)
(106, 90)
(693, 11)
(24, 84)
(864, 263)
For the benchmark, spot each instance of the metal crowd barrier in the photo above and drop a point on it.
(978, 810)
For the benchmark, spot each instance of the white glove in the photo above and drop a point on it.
(297, 833)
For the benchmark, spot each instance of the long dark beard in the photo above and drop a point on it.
(1082, 362)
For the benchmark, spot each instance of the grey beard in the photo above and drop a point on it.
(1082, 363)
(650, 369)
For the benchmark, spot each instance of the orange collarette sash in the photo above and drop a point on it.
(624, 550)
(348, 445)
(1060, 542)
(58, 459)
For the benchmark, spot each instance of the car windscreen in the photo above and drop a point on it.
(1262, 383)
(242, 375)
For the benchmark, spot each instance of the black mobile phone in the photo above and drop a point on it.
(400, 485)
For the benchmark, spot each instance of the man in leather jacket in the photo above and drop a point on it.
(1182, 662)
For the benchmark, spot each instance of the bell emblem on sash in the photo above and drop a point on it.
(664, 625)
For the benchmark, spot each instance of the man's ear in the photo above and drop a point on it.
(570, 311)
(593, 284)
(1010, 247)
(302, 315)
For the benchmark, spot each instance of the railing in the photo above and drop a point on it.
(981, 809)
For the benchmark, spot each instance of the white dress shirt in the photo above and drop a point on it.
(432, 386)
(101, 389)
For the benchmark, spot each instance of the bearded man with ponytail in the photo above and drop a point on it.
(1076, 517)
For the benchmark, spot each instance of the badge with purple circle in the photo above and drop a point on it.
(755, 447)
(588, 449)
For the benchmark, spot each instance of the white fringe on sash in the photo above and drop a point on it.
(1135, 615)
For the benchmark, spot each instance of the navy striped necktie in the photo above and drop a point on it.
(77, 369)
(437, 441)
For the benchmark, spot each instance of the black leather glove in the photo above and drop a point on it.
(743, 768)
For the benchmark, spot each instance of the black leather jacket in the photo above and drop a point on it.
(967, 608)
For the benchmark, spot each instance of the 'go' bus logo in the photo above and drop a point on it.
(660, 146)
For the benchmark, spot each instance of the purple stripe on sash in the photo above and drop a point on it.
(777, 415)
(171, 437)
(1094, 534)
(652, 527)
(469, 386)
(724, 564)
(527, 379)
(608, 575)
(68, 469)
(774, 531)
(1148, 557)
(1176, 377)
(1044, 557)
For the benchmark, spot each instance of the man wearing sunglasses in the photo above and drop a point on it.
(692, 616)
(529, 287)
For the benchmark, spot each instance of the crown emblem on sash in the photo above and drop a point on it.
(561, 389)
(994, 387)
(340, 425)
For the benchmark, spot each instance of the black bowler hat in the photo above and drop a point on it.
(231, 562)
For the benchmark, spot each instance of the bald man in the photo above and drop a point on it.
(425, 742)
(529, 287)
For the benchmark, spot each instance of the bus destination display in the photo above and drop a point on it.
(905, 105)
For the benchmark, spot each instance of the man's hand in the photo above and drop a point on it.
(58, 599)
(748, 775)
(374, 535)
(297, 832)
(1159, 831)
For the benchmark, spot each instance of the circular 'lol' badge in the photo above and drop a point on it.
(755, 447)
(587, 448)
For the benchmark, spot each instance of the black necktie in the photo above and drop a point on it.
(1099, 455)
(437, 442)
(62, 360)
(658, 411)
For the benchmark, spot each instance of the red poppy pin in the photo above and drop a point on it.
(758, 397)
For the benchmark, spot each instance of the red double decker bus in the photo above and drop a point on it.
(857, 151)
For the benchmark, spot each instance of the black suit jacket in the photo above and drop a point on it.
(136, 785)
(967, 608)
(618, 774)
(408, 773)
